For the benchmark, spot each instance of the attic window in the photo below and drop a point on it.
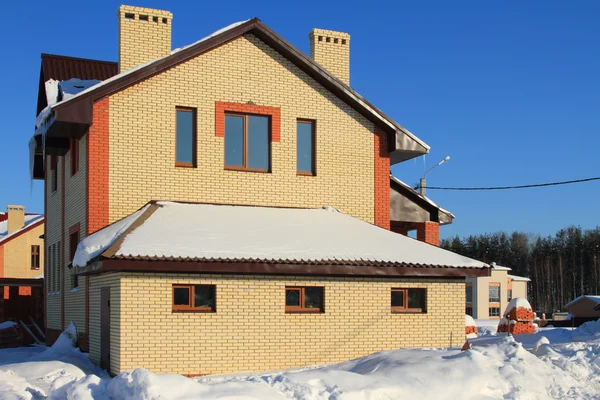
(154, 19)
(328, 40)
(335, 40)
(343, 41)
(164, 20)
(129, 16)
(144, 18)
(320, 38)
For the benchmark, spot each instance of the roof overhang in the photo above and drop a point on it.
(167, 266)
(402, 144)
(409, 206)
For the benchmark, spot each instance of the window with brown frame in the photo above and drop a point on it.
(494, 292)
(74, 154)
(247, 142)
(54, 173)
(494, 312)
(200, 298)
(409, 300)
(35, 256)
(307, 299)
(305, 147)
(185, 137)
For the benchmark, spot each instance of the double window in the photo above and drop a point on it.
(194, 298)
(247, 142)
(185, 138)
(304, 299)
(35, 256)
(409, 300)
(494, 293)
(494, 312)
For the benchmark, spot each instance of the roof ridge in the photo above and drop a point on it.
(77, 58)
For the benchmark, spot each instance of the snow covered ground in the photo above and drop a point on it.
(564, 364)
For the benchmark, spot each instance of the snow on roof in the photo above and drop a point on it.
(29, 220)
(500, 267)
(516, 303)
(224, 232)
(427, 199)
(519, 278)
(594, 298)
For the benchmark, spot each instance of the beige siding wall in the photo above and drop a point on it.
(519, 289)
(75, 196)
(52, 239)
(96, 283)
(17, 254)
(142, 137)
(251, 331)
(481, 293)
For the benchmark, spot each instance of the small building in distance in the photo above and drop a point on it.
(584, 308)
(488, 296)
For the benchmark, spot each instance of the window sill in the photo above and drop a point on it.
(243, 169)
(193, 311)
(300, 173)
(408, 312)
(183, 165)
(309, 311)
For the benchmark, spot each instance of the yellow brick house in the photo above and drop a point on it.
(21, 244)
(226, 206)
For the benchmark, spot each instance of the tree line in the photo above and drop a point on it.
(561, 267)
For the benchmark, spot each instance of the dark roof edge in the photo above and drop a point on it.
(78, 58)
(20, 232)
(267, 268)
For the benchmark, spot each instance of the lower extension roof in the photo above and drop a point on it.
(184, 237)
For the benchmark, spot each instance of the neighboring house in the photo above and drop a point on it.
(269, 246)
(21, 265)
(21, 244)
(584, 308)
(488, 296)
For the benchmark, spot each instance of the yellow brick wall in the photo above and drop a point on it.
(251, 331)
(141, 41)
(17, 254)
(96, 283)
(76, 209)
(332, 52)
(142, 137)
(53, 220)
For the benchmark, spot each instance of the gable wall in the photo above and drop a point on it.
(142, 138)
(17, 254)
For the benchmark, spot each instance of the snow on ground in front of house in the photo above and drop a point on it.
(551, 364)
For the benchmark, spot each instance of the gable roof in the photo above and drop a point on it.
(180, 233)
(517, 278)
(78, 109)
(62, 68)
(593, 298)
(31, 221)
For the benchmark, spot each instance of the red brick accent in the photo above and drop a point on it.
(24, 290)
(97, 171)
(222, 107)
(6, 292)
(382, 180)
(428, 232)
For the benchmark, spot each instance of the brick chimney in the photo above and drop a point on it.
(16, 218)
(144, 34)
(331, 50)
(428, 232)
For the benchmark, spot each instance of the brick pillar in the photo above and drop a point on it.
(429, 232)
(382, 180)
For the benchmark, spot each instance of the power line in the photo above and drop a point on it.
(514, 187)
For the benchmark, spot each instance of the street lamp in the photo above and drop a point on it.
(422, 183)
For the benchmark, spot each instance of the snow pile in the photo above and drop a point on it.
(470, 327)
(7, 324)
(502, 370)
(587, 331)
(93, 245)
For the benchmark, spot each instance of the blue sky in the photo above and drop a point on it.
(510, 90)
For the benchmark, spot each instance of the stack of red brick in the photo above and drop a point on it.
(518, 318)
